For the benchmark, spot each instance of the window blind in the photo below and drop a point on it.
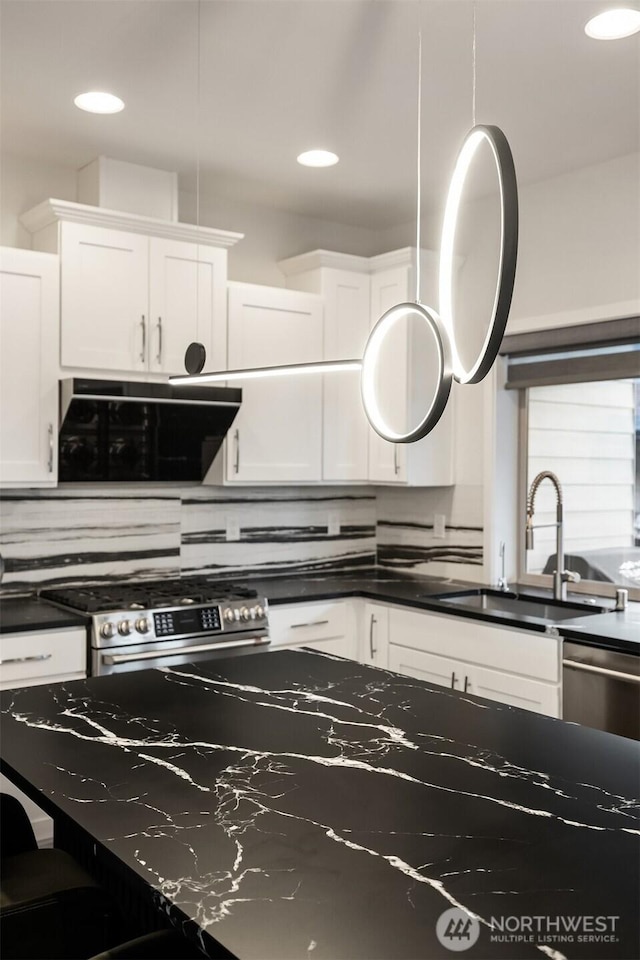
(608, 350)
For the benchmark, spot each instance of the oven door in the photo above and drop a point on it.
(166, 653)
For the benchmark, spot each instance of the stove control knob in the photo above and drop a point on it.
(142, 625)
(124, 628)
(107, 630)
(259, 612)
(252, 613)
(228, 615)
(244, 613)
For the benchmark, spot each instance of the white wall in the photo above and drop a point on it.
(25, 183)
(270, 235)
(579, 246)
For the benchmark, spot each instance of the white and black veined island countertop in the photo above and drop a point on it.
(298, 805)
(616, 631)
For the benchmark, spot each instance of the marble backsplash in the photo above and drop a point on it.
(99, 534)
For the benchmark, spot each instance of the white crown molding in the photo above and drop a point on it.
(394, 258)
(51, 211)
(315, 259)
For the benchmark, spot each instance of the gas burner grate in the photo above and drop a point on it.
(145, 595)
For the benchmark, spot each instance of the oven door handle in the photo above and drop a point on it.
(112, 659)
(589, 668)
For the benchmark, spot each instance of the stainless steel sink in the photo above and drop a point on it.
(510, 605)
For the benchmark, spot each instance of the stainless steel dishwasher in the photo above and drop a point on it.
(601, 689)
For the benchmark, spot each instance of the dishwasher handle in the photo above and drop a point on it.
(590, 668)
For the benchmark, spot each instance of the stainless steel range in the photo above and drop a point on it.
(157, 623)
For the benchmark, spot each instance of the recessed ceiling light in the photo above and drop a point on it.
(96, 102)
(613, 24)
(318, 158)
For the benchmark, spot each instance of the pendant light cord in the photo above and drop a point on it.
(473, 68)
(198, 122)
(419, 139)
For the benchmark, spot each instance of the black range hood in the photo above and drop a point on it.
(126, 431)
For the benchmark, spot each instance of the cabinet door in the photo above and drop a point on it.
(187, 301)
(375, 635)
(517, 691)
(443, 671)
(277, 435)
(468, 678)
(388, 461)
(104, 299)
(29, 304)
(346, 428)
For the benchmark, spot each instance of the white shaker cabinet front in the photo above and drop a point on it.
(104, 298)
(388, 461)
(187, 293)
(517, 667)
(277, 435)
(134, 291)
(29, 284)
(28, 659)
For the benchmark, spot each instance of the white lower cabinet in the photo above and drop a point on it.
(329, 626)
(518, 667)
(28, 659)
(470, 678)
(374, 633)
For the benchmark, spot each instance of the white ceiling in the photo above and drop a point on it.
(281, 76)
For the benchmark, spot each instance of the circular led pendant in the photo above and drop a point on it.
(370, 361)
(508, 249)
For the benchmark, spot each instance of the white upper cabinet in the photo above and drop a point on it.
(357, 291)
(187, 293)
(388, 461)
(104, 298)
(277, 435)
(134, 291)
(343, 283)
(29, 284)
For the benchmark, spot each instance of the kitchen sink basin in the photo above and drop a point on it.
(504, 604)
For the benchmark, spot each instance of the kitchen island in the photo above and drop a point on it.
(300, 805)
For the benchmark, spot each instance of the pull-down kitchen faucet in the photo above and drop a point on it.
(560, 575)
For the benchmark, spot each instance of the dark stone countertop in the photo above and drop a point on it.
(615, 631)
(18, 614)
(298, 805)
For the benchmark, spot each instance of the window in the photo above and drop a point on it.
(587, 434)
(580, 419)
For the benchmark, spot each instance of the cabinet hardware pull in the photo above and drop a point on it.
(310, 623)
(453, 680)
(466, 683)
(144, 339)
(112, 659)
(159, 340)
(236, 465)
(396, 468)
(372, 649)
(576, 665)
(50, 459)
(37, 656)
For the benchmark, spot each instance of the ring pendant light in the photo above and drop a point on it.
(441, 326)
(370, 359)
(503, 158)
